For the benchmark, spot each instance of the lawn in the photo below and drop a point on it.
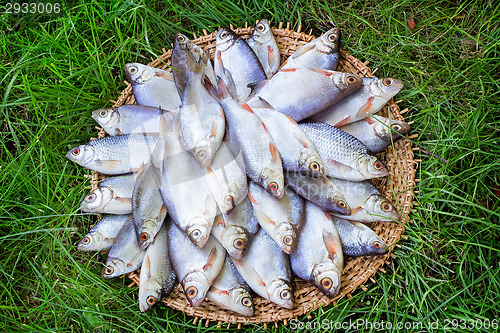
(55, 69)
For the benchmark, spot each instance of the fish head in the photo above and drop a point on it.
(326, 277)
(280, 292)
(97, 199)
(92, 242)
(83, 154)
(146, 232)
(107, 117)
(338, 201)
(241, 301)
(181, 41)
(371, 167)
(236, 241)
(262, 32)
(196, 286)
(286, 237)
(113, 267)
(346, 82)
(329, 42)
(149, 294)
(374, 245)
(386, 128)
(198, 231)
(312, 162)
(138, 73)
(386, 87)
(382, 208)
(273, 181)
(204, 152)
(225, 38)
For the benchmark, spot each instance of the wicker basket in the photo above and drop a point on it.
(357, 271)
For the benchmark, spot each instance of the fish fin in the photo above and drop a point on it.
(165, 75)
(212, 256)
(196, 66)
(302, 50)
(141, 169)
(213, 130)
(331, 244)
(135, 260)
(322, 71)
(364, 111)
(343, 122)
(220, 291)
(291, 119)
(246, 107)
(356, 210)
(288, 70)
(252, 199)
(118, 131)
(255, 276)
(219, 220)
(146, 267)
(369, 120)
(327, 214)
(274, 152)
(210, 206)
(261, 103)
(262, 217)
(256, 87)
(336, 164)
(271, 55)
(358, 225)
(124, 201)
(220, 92)
(301, 138)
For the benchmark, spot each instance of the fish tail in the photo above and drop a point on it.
(220, 92)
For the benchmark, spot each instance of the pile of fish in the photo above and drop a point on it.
(234, 177)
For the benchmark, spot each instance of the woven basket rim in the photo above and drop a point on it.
(402, 168)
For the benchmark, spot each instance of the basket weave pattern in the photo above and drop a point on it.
(357, 271)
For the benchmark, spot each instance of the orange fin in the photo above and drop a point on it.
(271, 55)
(247, 107)
(343, 122)
(219, 220)
(369, 120)
(322, 71)
(289, 70)
(331, 244)
(146, 267)
(364, 111)
(164, 75)
(263, 218)
(212, 256)
(291, 119)
(303, 50)
(252, 199)
(274, 152)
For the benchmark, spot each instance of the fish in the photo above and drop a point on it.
(235, 231)
(229, 291)
(124, 183)
(153, 87)
(114, 197)
(102, 235)
(359, 240)
(201, 117)
(157, 277)
(227, 179)
(264, 46)
(322, 53)
(367, 203)
(369, 99)
(280, 218)
(263, 164)
(129, 119)
(302, 92)
(318, 256)
(183, 186)
(147, 205)
(345, 156)
(196, 268)
(377, 132)
(266, 269)
(236, 63)
(297, 151)
(125, 256)
(321, 191)
(114, 155)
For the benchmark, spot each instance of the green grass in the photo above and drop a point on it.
(56, 69)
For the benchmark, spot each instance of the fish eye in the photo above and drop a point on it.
(341, 204)
(144, 236)
(387, 82)
(201, 154)
(386, 206)
(377, 245)
(196, 233)
(86, 240)
(151, 300)
(396, 127)
(326, 283)
(75, 151)
(181, 38)
(103, 113)
(285, 294)
(378, 165)
(246, 301)
(109, 270)
(228, 200)
(91, 197)
(288, 240)
(273, 186)
(192, 292)
(314, 166)
(224, 34)
(260, 27)
(332, 38)
(351, 80)
(133, 69)
(239, 243)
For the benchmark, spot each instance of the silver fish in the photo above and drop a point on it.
(129, 119)
(114, 155)
(227, 179)
(322, 52)
(236, 63)
(369, 99)
(245, 130)
(321, 191)
(196, 268)
(267, 270)
(102, 236)
(230, 291)
(297, 151)
(280, 218)
(153, 87)
(147, 205)
(302, 92)
(235, 231)
(358, 240)
(157, 276)
(376, 132)
(265, 48)
(121, 183)
(345, 156)
(109, 199)
(125, 256)
(318, 256)
(367, 203)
